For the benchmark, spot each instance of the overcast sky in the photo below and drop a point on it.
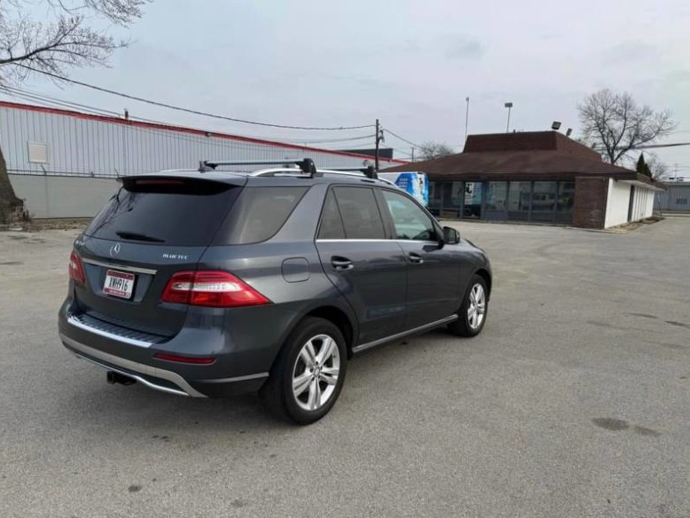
(409, 63)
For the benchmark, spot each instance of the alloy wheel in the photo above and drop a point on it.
(315, 374)
(476, 308)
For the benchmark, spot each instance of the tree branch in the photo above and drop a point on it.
(617, 124)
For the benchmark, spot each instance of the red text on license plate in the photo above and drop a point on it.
(119, 284)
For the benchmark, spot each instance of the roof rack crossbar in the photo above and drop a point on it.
(306, 164)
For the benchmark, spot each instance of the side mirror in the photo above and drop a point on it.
(450, 236)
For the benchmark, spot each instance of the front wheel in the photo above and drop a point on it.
(307, 377)
(474, 309)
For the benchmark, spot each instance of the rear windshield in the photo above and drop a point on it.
(179, 212)
(259, 214)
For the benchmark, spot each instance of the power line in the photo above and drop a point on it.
(401, 138)
(188, 110)
(655, 146)
(49, 101)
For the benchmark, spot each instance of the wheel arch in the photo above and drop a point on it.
(340, 319)
(484, 274)
(340, 316)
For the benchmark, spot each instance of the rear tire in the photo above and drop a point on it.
(308, 375)
(474, 309)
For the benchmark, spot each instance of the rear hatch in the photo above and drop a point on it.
(152, 228)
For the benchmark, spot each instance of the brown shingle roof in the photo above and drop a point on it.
(529, 141)
(546, 155)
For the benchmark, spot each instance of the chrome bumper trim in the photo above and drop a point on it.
(248, 377)
(425, 327)
(121, 267)
(74, 321)
(144, 381)
(172, 377)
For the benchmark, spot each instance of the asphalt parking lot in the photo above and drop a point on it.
(575, 401)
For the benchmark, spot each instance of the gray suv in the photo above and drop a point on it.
(211, 283)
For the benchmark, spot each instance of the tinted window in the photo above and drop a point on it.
(410, 221)
(165, 211)
(259, 214)
(331, 222)
(360, 213)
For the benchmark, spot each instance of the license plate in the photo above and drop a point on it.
(119, 284)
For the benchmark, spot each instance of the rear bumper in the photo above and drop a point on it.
(132, 356)
(165, 380)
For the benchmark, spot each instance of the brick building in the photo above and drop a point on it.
(541, 177)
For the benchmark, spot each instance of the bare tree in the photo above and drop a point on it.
(430, 150)
(69, 36)
(657, 168)
(615, 124)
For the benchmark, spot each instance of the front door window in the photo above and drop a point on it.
(409, 220)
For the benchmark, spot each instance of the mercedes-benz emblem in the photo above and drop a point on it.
(115, 249)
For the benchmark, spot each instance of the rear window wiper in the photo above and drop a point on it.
(135, 236)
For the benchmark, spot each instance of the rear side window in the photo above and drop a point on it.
(168, 211)
(360, 213)
(331, 222)
(259, 214)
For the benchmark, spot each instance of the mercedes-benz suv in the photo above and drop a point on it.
(212, 283)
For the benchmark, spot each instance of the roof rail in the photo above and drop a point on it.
(368, 171)
(306, 164)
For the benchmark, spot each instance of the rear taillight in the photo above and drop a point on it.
(76, 269)
(211, 288)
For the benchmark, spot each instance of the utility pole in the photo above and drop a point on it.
(379, 138)
(413, 153)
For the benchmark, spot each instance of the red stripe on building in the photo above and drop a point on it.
(181, 129)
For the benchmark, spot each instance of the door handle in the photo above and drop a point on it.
(415, 258)
(342, 263)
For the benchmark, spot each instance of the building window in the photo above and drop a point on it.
(435, 197)
(682, 201)
(544, 201)
(452, 199)
(518, 200)
(566, 198)
(496, 198)
(472, 208)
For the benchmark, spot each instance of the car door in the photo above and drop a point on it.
(361, 260)
(433, 271)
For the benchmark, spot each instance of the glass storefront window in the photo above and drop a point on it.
(518, 200)
(435, 197)
(473, 200)
(496, 198)
(544, 200)
(452, 197)
(566, 199)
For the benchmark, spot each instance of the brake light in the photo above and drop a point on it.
(184, 359)
(76, 269)
(211, 288)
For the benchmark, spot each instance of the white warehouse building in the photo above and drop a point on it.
(64, 163)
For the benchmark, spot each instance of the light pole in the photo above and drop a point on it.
(509, 106)
(467, 116)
